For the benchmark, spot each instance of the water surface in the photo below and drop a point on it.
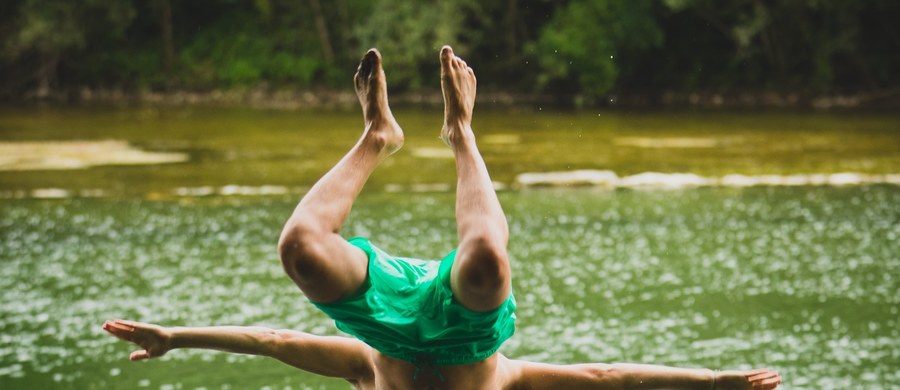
(801, 279)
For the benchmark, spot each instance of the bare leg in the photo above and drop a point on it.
(480, 278)
(314, 255)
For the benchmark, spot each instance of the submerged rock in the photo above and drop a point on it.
(656, 180)
(597, 178)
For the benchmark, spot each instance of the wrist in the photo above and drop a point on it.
(172, 337)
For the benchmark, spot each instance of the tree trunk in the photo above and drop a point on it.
(512, 13)
(168, 45)
(327, 50)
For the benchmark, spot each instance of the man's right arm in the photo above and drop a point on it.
(533, 376)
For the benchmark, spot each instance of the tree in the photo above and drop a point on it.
(410, 32)
(577, 50)
(48, 32)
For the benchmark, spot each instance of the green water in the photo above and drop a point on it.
(258, 147)
(801, 279)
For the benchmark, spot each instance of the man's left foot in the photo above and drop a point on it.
(382, 130)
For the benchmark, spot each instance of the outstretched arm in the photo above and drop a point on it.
(332, 356)
(638, 376)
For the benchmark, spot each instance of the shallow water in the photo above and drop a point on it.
(802, 279)
(293, 148)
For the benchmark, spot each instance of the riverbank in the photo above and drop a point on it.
(267, 97)
(172, 150)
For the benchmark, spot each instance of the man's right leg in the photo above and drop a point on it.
(480, 277)
(324, 265)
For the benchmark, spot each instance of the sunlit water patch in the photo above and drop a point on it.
(802, 279)
(659, 180)
(46, 155)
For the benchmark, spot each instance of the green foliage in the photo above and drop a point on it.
(586, 48)
(582, 41)
(46, 33)
(409, 34)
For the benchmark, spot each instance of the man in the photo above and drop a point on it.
(419, 324)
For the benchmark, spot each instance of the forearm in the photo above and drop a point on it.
(250, 340)
(646, 376)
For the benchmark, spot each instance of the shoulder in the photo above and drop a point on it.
(332, 356)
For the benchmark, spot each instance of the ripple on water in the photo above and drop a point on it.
(801, 279)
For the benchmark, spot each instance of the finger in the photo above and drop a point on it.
(139, 355)
(772, 381)
(768, 383)
(120, 331)
(757, 376)
(131, 324)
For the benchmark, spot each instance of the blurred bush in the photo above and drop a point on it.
(581, 48)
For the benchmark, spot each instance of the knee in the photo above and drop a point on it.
(300, 249)
(484, 263)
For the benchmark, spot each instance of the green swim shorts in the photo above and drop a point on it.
(405, 309)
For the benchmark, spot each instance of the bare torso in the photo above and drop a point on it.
(390, 373)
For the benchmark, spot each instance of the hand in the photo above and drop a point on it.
(154, 339)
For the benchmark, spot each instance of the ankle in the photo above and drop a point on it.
(458, 125)
(382, 138)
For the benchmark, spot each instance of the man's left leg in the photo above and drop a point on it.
(324, 265)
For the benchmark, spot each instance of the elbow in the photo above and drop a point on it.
(611, 376)
(273, 342)
(281, 338)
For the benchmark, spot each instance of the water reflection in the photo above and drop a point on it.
(801, 279)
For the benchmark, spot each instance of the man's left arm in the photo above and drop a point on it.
(331, 356)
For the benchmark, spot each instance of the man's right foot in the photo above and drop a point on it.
(458, 86)
(382, 130)
(762, 379)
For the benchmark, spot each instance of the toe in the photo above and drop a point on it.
(446, 55)
(369, 63)
(375, 57)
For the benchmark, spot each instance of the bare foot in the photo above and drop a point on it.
(458, 85)
(382, 129)
(761, 379)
